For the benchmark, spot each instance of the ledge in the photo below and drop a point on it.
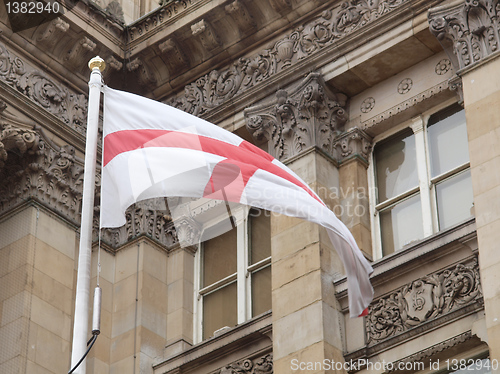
(220, 350)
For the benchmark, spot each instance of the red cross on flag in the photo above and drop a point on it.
(153, 150)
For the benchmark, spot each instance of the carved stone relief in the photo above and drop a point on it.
(423, 300)
(158, 18)
(68, 106)
(241, 15)
(206, 34)
(354, 142)
(31, 166)
(218, 86)
(261, 365)
(310, 115)
(468, 31)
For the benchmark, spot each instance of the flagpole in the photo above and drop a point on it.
(80, 327)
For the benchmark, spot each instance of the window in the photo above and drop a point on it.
(422, 179)
(234, 276)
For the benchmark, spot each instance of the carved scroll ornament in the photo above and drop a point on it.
(261, 365)
(69, 107)
(468, 30)
(218, 86)
(310, 115)
(423, 300)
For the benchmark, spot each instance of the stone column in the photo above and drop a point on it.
(469, 33)
(139, 318)
(353, 148)
(300, 127)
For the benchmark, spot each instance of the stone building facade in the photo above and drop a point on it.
(387, 108)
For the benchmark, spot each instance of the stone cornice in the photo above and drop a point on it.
(314, 40)
(468, 31)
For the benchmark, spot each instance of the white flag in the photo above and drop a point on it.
(153, 150)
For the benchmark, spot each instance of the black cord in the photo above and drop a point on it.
(91, 341)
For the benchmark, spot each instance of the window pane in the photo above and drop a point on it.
(219, 257)
(401, 224)
(454, 199)
(219, 310)
(396, 165)
(261, 291)
(260, 235)
(448, 147)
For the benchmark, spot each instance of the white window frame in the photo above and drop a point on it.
(426, 186)
(243, 276)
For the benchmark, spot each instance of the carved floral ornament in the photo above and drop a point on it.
(423, 300)
(468, 30)
(69, 107)
(218, 86)
(310, 115)
(31, 166)
(261, 365)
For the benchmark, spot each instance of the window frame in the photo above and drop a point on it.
(242, 277)
(426, 187)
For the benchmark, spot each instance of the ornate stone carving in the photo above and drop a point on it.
(175, 58)
(113, 63)
(468, 30)
(239, 12)
(144, 73)
(206, 34)
(310, 115)
(408, 103)
(69, 107)
(367, 105)
(156, 19)
(423, 300)
(429, 352)
(14, 139)
(215, 88)
(281, 5)
(38, 169)
(80, 52)
(114, 9)
(405, 86)
(146, 218)
(261, 365)
(352, 143)
(53, 32)
(443, 66)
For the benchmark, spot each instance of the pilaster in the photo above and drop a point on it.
(304, 126)
(469, 32)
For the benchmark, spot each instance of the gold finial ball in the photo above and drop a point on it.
(97, 62)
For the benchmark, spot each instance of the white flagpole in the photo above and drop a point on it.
(80, 327)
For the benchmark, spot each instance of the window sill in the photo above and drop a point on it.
(250, 338)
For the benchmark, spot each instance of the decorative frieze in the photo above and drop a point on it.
(158, 18)
(261, 365)
(69, 107)
(426, 299)
(32, 167)
(309, 115)
(421, 356)
(468, 30)
(145, 218)
(406, 104)
(218, 86)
